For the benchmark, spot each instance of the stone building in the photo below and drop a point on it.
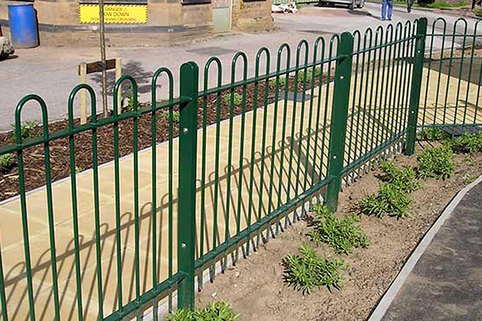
(143, 22)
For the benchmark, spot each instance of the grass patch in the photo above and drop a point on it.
(216, 311)
(341, 234)
(443, 4)
(307, 271)
(436, 162)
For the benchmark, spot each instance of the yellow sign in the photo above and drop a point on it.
(113, 13)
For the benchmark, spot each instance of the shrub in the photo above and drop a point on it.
(391, 200)
(341, 234)
(216, 311)
(7, 161)
(176, 116)
(467, 143)
(237, 99)
(432, 134)
(403, 178)
(28, 130)
(436, 162)
(308, 271)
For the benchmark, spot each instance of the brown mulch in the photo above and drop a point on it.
(34, 163)
(255, 288)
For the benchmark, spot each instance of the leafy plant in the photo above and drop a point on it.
(7, 161)
(390, 200)
(216, 311)
(307, 271)
(176, 116)
(310, 73)
(467, 143)
(436, 162)
(28, 130)
(341, 234)
(237, 99)
(432, 134)
(404, 178)
(281, 83)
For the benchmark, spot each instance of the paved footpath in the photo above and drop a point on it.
(446, 283)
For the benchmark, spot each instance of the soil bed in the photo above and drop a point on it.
(255, 288)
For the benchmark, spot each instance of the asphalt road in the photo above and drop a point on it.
(51, 72)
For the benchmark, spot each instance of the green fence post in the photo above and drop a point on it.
(416, 86)
(339, 118)
(187, 184)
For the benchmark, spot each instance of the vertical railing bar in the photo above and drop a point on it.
(241, 152)
(449, 73)
(73, 187)
(327, 104)
(285, 106)
(253, 147)
(427, 85)
(293, 121)
(3, 298)
(117, 206)
(302, 116)
(387, 65)
(351, 141)
(461, 66)
(318, 111)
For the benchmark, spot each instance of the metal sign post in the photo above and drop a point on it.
(102, 57)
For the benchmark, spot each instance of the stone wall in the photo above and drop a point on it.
(168, 22)
(252, 15)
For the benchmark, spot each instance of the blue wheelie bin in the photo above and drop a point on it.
(23, 25)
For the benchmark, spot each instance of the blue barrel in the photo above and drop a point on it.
(23, 25)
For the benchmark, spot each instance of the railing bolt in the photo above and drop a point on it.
(183, 245)
(342, 77)
(185, 131)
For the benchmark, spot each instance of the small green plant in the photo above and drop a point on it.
(216, 311)
(308, 271)
(237, 99)
(281, 83)
(311, 73)
(467, 143)
(341, 234)
(78, 169)
(404, 178)
(176, 116)
(432, 134)
(390, 200)
(436, 162)
(28, 130)
(7, 162)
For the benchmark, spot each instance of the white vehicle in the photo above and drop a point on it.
(352, 4)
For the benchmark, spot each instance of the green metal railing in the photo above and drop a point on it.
(240, 163)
